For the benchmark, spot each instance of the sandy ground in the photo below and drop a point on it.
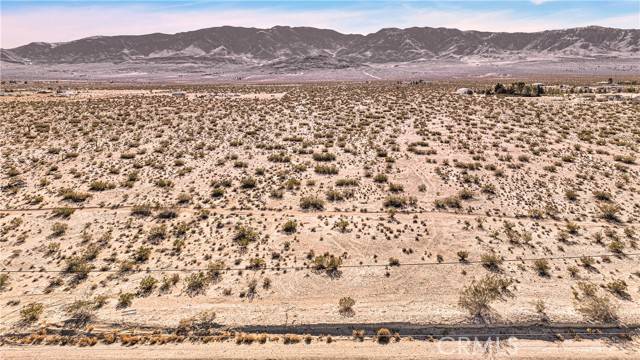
(526, 180)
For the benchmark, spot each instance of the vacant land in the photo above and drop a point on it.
(133, 216)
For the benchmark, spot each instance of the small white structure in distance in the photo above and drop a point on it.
(464, 91)
(179, 94)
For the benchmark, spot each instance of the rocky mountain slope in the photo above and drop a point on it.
(282, 43)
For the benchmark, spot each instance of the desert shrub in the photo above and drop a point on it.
(463, 255)
(324, 156)
(345, 305)
(542, 267)
(4, 281)
(217, 192)
(347, 182)
(256, 263)
(395, 201)
(183, 198)
(358, 334)
(572, 228)
(168, 282)
(609, 211)
(328, 263)
(142, 254)
(342, 225)
(616, 246)
(279, 158)
(157, 233)
(83, 311)
(167, 213)
(334, 195)
(488, 189)
(244, 235)
(326, 169)
(571, 195)
(394, 261)
(78, 266)
(478, 296)
(196, 283)
(248, 183)
(587, 261)
(618, 287)
(58, 229)
(147, 284)
(164, 183)
(125, 300)
(311, 203)
(63, 212)
(73, 196)
(602, 195)
(465, 194)
(31, 312)
(383, 336)
(100, 185)
(380, 178)
(290, 226)
(203, 321)
(449, 201)
(292, 184)
(491, 261)
(291, 339)
(141, 210)
(393, 187)
(593, 306)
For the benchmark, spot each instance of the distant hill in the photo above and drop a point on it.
(316, 46)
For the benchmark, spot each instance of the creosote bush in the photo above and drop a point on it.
(478, 296)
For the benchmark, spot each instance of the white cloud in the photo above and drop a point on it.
(539, 2)
(57, 24)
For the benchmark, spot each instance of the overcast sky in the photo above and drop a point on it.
(54, 21)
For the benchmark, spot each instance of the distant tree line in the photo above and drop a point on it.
(515, 89)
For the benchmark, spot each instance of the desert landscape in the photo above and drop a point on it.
(319, 218)
(192, 179)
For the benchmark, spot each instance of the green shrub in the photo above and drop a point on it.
(147, 284)
(244, 235)
(196, 283)
(125, 300)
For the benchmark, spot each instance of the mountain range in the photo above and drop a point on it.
(281, 45)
